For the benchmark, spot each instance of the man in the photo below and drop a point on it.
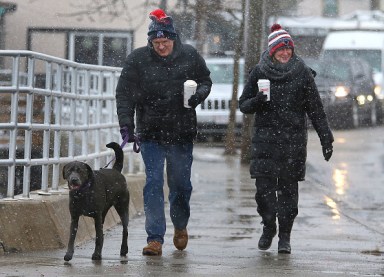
(279, 142)
(151, 86)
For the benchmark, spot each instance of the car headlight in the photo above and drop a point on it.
(361, 99)
(340, 91)
(379, 94)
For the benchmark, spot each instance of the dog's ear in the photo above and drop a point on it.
(90, 173)
(65, 171)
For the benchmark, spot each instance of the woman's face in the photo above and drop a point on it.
(163, 46)
(283, 55)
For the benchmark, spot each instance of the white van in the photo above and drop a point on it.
(213, 113)
(365, 44)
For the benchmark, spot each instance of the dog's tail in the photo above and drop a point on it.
(119, 161)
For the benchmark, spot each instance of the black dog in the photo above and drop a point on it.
(93, 193)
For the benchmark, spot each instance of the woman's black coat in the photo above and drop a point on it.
(153, 87)
(279, 142)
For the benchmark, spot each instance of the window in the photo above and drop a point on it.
(331, 8)
(372, 56)
(101, 48)
(339, 71)
(222, 72)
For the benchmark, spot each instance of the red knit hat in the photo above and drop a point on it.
(279, 38)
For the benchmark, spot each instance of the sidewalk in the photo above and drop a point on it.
(224, 230)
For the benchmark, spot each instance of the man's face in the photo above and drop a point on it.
(283, 55)
(163, 46)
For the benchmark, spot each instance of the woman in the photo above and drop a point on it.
(279, 142)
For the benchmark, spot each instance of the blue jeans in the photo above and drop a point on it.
(178, 159)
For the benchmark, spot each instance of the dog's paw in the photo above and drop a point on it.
(68, 257)
(96, 257)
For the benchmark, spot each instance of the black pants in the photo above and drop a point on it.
(277, 198)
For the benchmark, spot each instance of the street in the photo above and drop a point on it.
(338, 232)
(355, 174)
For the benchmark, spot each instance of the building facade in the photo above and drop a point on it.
(87, 32)
(81, 31)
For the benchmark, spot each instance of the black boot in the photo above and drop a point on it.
(269, 231)
(284, 245)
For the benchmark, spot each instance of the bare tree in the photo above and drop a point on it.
(108, 10)
(203, 9)
(230, 139)
(200, 17)
(163, 5)
(375, 4)
(253, 37)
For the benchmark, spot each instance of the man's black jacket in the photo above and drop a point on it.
(152, 86)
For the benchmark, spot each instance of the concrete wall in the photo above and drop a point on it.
(42, 222)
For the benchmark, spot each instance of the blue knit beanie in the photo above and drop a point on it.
(161, 26)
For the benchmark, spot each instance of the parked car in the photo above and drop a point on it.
(346, 87)
(213, 113)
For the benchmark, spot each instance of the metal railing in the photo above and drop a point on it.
(53, 111)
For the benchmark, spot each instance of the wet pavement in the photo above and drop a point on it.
(327, 240)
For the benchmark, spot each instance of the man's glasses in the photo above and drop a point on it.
(164, 43)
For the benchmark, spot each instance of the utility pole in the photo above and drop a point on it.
(254, 22)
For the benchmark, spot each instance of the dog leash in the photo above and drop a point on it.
(136, 147)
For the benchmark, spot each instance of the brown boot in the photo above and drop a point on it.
(153, 249)
(180, 239)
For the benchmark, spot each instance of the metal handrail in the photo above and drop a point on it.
(54, 111)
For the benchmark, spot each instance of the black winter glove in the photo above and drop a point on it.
(260, 98)
(125, 131)
(193, 101)
(327, 151)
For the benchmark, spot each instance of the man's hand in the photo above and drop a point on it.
(125, 131)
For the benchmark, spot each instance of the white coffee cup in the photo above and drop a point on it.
(264, 87)
(189, 90)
